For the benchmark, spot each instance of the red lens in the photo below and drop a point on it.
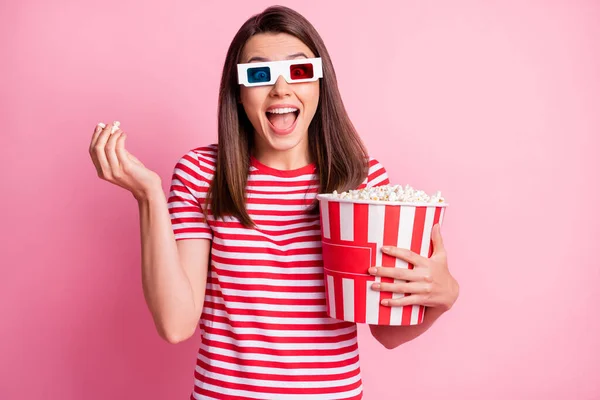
(301, 71)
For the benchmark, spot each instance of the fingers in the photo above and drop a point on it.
(404, 274)
(97, 131)
(404, 254)
(403, 287)
(99, 155)
(405, 301)
(121, 152)
(111, 155)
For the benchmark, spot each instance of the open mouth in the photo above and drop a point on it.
(283, 120)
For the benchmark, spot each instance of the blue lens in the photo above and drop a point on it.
(259, 74)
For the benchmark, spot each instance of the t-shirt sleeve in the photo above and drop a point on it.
(186, 199)
(377, 175)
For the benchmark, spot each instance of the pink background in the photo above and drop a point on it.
(494, 103)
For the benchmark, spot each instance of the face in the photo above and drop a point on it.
(280, 132)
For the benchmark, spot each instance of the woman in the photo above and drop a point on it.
(236, 246)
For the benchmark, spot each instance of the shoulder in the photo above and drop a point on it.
(377, 174)
(199, 162)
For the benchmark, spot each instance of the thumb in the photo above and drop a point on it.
(436, 237)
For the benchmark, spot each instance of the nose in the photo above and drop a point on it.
(280, 88)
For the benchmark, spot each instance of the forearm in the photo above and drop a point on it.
(167, 289)
(393, 336)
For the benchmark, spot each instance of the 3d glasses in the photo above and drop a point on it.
(267, 73)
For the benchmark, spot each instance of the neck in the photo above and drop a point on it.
(289, 159)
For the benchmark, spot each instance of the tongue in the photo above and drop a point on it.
(282, 121)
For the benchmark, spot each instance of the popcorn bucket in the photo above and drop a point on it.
(353, 232)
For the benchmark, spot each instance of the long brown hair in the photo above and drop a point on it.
(336, 148)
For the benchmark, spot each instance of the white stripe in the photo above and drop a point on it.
(266, 307)
(372, 304)
(270, 320)
(278, 346)
(414, 316)
(204, 163)
(442, 215)
(275, 238)
(190, 225)
(267, 257)
(274, 179)
(331, 296)
(405, 231)
(325, 218)
(186, 214)
(270, 282)
(378, 180)
(285, 333)
(284, 270)
(281, 196)
(396, 312)
(193, 235)
(348, 290)
(279, 371)
(311, 225)
(192, 201)
(252, 395)
(285, 385)
(274, 358)
(264, 244)
(376, 222)
(278, 207)
(262, 293)
(284, 190)
(426, 242)
(347, 221)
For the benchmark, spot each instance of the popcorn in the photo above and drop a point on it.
(405, 194)
(114, 128)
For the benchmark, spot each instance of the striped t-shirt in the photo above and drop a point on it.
(265, 331)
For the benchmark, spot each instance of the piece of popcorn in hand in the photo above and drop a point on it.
(115, 126)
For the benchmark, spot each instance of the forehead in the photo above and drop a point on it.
(274, 47)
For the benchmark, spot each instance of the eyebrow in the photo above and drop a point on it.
(263, 59)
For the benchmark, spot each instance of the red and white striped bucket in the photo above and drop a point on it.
(353, 232)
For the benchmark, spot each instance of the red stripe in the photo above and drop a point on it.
(274, 377)
(334, 220)
(361, 216)
(390, 238)
(421, 313)
(360, 299)
(361, 236)
(278, 326)
(265, 300)
(281, 339)
(327, 289)
(415, 245)
(248, 362)
(335, 351)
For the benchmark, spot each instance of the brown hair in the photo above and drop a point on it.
(338, 152)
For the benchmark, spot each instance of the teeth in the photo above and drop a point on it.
(282, 110)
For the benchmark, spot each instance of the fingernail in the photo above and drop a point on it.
(385, 248)
(373, 270)
(376, 286)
